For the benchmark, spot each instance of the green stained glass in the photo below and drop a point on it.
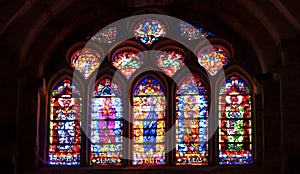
(235, 132)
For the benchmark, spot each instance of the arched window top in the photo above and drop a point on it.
(106, 88)
(149, 31)
(148, 86)
(86, 61)
(191, 32)
(127, 62)
(106, 36)
(213, 58)
(191, 85)
(170, 62)
(234, 85)
(65, 88)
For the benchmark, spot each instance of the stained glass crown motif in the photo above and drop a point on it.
(107, 87)
(191, 85)
(65, 88)
(149, 86)
(235, 85)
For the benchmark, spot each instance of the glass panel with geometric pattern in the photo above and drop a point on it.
(127, 62)
(191, 122)
(106, 124)
(107, 36)
(235, 130)
(65, 134)
(191, 32)
(149, 123)
(149, 31)
(170, 62)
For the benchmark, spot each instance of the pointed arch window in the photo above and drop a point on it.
(65, 133)
(106, 124)
(149, 122)
(191, 122)
(235, 130)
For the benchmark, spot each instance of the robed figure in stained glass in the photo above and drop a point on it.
(149, 123)
(65, 134)
(150, 127)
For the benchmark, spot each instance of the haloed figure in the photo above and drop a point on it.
(150, 126)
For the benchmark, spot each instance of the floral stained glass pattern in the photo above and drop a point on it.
(170, 62)
(191, 123)
(149, 31)
(65, 134)
(149, 123)
(107, 36)
(235, 146)
(86, 61)
(127, 63)
(191, 32)
(106, 125)
(213, 59)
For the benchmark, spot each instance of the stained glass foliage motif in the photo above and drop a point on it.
(191, 32)
(65, 134)
(191, 123)
(149, 31)
(235, 132)
(213, 59)
(127, 62)
(107, 36)
(86, 61)
(170, 62)
(107, 124)
(149, 123)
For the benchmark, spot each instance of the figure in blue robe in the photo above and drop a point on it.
(150, 127)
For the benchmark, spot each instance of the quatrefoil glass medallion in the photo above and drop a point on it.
(170, 62)
(213, 58)
(127, 62)
(85, 61)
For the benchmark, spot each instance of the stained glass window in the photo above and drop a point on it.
(106, 125)
(170, 62)
(191, 32)
(65, 134)
(149, 31)
(107, 36)
(191, 123)
(86, 61)
(213, 59)
(127, 62)
(149, 123)
(235, 135)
